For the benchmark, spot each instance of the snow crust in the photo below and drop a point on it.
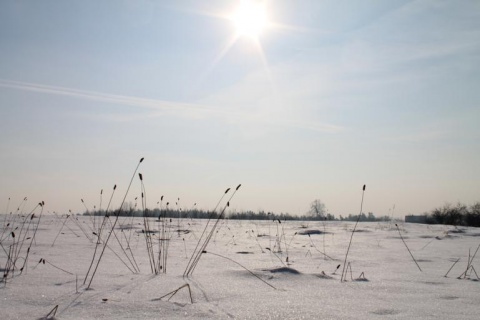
(383, 281)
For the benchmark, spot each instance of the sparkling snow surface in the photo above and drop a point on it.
(308, 286)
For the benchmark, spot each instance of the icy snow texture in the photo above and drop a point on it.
(307, 287)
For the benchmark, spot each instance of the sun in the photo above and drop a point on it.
(250, 18)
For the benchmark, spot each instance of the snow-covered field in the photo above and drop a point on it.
(383, 281)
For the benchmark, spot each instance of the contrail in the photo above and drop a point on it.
(103, 97)
(190, 108)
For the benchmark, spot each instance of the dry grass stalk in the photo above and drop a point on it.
(253, 274)
(172, 293)
(451, 267)
(351, 237)
(52, 313)
(408, 248)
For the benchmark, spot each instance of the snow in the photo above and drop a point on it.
(307, 286)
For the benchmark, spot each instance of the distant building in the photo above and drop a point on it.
(416, 219)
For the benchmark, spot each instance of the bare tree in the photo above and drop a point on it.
(317, 209)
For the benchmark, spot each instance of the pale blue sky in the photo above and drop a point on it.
(341, 94)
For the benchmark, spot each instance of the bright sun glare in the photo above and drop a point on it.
(250, 18)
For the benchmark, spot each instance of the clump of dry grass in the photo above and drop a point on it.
(112, 228)
(19, 236)
(468, 271)
(200, 249)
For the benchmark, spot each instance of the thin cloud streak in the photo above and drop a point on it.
(192, 110)
(102, 97)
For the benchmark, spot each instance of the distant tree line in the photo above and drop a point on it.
(457, 215)
(318, 211)
(369, 217)
(244, 215)
(200, 214)
(156, 213)
(262, 215)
